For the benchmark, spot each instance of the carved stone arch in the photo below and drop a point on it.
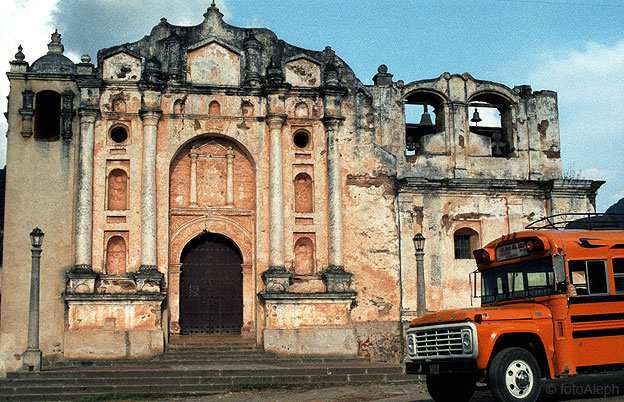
(213, 224)
(182, 147)
(426, 112)
(240, 237)
(498, 124)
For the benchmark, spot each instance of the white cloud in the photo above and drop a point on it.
(596, 174)
(589, 84)
(26, 23)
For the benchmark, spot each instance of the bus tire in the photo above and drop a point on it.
(451, 387)
(514, 376)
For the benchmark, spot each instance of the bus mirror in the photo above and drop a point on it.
(559, 269)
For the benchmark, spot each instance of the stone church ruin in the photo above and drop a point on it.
(212, 179)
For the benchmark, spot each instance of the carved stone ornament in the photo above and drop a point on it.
(276, 280)
(81, 279)
(337, 280)
(148, 279)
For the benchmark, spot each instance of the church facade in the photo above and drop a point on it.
(216, 180)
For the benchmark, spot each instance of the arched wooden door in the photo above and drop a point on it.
(211, 286)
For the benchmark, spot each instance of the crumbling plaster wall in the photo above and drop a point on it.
(39, 193)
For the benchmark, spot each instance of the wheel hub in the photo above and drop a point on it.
(522, 379)
(519, 379)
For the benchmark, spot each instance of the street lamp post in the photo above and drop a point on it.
(419, 246)
(32, 355)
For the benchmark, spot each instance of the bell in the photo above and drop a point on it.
(475, 117)
(425, 119)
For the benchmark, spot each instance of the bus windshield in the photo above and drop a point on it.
(518, 280)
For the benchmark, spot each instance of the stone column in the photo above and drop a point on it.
(193, 190)
(230, 178)
(277, 279)
(336, 278)
(84, 207)
(148, 191)
(334, 195)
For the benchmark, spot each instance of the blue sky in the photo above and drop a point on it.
(574, 47)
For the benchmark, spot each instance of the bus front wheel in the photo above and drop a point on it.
(514, 376)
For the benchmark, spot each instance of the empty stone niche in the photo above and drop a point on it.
(117, 190)
(302, 110)
(304, 256)
(214, 108)
(304, 193)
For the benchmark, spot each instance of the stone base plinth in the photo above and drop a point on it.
(311, 341)
(31, 360)
(109, 326)
(103, 344)
(309, 323)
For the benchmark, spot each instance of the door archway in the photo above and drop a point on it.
(211, 286)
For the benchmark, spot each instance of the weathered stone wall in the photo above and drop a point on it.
(214, 128)
(39, 193)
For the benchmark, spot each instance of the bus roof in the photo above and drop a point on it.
(574, 243)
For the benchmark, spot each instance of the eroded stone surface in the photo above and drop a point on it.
(305, 170)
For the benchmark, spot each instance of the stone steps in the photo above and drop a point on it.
(192, 368)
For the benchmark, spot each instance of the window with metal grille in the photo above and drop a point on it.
(465, 240)
(462, 247)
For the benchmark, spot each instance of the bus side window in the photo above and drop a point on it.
(578, 276)
(618, 273)
(597, 274)
(589, 277)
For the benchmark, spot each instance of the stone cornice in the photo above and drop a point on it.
(308, 297)
(104, 297)
(536, 188)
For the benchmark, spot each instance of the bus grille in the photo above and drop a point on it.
(439, 342)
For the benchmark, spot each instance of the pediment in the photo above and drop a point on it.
(213, 63)
(303, 71)
(121, 66)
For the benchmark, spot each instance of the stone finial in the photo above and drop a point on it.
(382, 78)
(330, 77)
(55, 46)
(251, 42)
(85, 58)
(274, 72)
(19, 56)
(328, 52)
(213, 10)
(163, 20)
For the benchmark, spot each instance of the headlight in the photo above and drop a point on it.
(410, 345)
(466, 341)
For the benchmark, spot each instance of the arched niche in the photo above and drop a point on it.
(116, 256)
(304, 193)
(210, 172)
(304, 256)
(214, 108)
(302, 110)
(117, 190)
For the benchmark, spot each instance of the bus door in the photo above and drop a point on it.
(597, 315)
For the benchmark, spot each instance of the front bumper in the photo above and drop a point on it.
(455, 366)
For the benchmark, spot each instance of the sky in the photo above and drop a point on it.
(574, 47)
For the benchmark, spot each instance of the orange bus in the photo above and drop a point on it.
(552, 305)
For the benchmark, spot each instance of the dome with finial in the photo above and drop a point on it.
(54, 62)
